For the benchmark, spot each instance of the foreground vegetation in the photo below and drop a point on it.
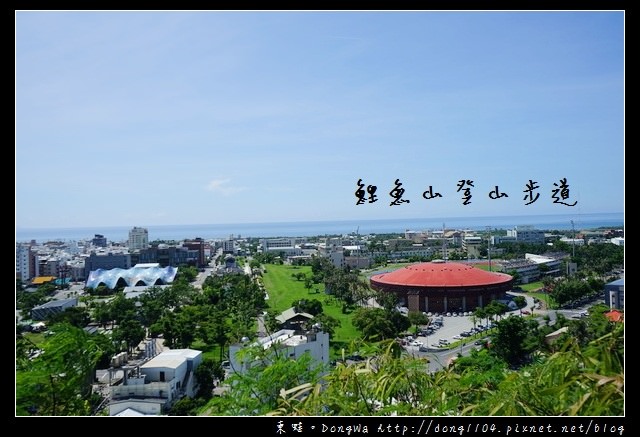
(566, 378)
(581, 373)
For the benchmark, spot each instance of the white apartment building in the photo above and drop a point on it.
(155, 385)
(471, 244)
(292, 343)
(288, 246)
(138, 238)
(526, 234)
(25, 262)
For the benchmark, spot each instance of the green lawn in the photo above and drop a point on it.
(34, 337)
(534, 289)
(483, 266)
(388, 268)
(283, 290)
(531, 286)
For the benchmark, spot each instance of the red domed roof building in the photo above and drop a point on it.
(440, 286)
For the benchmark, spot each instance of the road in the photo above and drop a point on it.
(455, 325)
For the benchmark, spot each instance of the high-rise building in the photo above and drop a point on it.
(26, 262)
(99, 240)
(138, 238)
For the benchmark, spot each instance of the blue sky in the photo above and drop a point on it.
(151, 118)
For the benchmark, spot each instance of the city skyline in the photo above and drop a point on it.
(180, 117)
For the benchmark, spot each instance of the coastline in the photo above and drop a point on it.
(546, 222)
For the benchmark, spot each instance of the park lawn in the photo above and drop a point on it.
(534, 289)
(366, 274)
(532, 286)
(395, 266)
(283, 290)
(485, 266)
(208, 351)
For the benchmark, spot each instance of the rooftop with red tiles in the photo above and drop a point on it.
(441, 274)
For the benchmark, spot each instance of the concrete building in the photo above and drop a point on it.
(286, 246)
(573, 241)
(167, 255)
(526, 270)
(552, 265)
(292, 319)
(443, 286)
(228, 246)
(229, 266)
(290, 342)
(614, 294)
(358, 262)
(138, 238)
(99, 240)
(27, 266)
(471, 244)
(197, 246)
(46, 310)
(526, 234)
(49, 265)
(106, 261)
(498, 239)
(153, 387)
(333, 250)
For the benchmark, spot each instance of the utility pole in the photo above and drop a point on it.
(573, 240)
(573, 243)
(444, 245)
(489, 246)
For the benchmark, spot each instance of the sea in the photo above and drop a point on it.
(548, 222)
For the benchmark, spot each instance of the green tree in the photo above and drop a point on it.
(520, 301)
(256, 391)
(514, 339)
(327, 323)
(416, 318)
(570, 382)
(187, 273)
(378, 324)
(205, 373)
(75, 316)
(58, 381)
(186, 406)
(129, 331)
(311, 306)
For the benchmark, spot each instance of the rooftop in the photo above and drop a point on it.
(441, 274)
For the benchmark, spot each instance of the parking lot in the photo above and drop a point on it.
(449, 332)
(451, 326)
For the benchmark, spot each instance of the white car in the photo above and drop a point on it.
(416, 343)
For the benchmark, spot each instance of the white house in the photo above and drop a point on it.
(290, 342)
(154, 386)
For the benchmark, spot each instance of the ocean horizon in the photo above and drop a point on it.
(546, 222)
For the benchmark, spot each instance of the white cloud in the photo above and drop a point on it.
(222, 186)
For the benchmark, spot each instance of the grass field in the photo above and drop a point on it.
(283, 290)
(532, 286)
(34, 337)
(485, 266)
